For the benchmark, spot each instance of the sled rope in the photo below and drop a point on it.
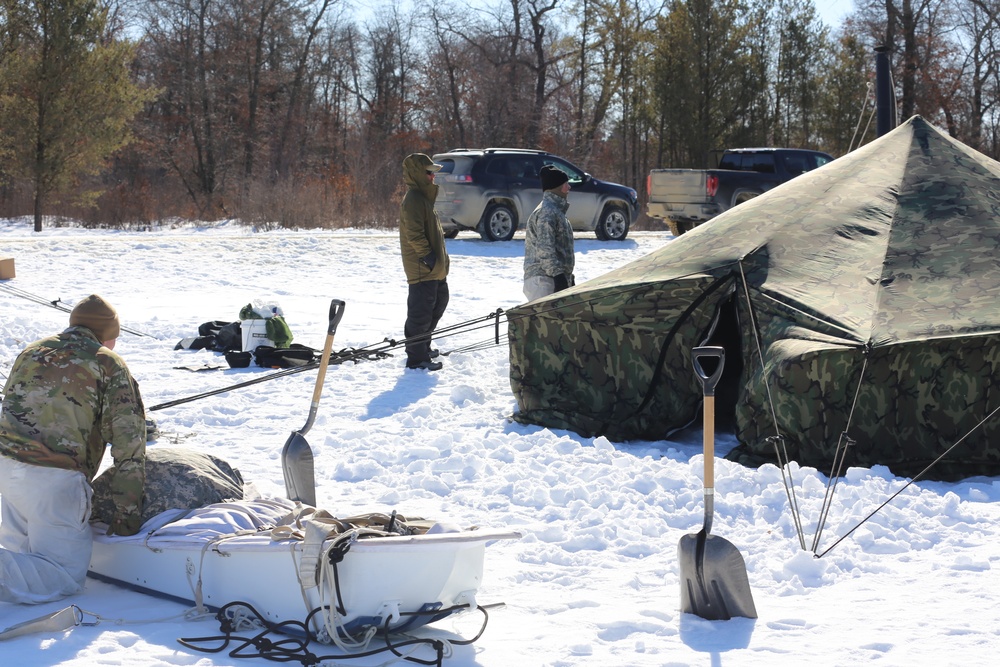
(241, 617)
(784, 464)
(73, 616)
(58, 305)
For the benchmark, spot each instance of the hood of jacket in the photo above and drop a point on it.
(415, 176)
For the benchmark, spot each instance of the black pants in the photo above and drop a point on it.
(424, 307)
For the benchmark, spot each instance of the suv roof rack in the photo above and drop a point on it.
(516, 150)
(498, 150)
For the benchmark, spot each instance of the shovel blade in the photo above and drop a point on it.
(297, 466)
(714, 583)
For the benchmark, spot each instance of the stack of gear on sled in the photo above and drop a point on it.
(344, 580)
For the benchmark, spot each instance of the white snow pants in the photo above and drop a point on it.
(45, 538)
(538, 286)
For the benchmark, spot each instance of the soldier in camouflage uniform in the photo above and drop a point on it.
(548, 243)
(67, 396)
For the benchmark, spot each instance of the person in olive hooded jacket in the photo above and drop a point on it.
(425, 260)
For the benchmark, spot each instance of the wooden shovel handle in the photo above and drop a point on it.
(336, 312)
(708, 383)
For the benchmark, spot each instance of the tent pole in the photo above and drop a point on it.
(783, 462)
(839, 456)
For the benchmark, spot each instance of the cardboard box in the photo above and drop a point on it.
(6, 268)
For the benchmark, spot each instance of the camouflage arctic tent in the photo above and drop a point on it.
(861, 298)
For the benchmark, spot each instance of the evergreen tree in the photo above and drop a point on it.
(66, 96)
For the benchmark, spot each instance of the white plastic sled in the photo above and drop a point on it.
(287, 561)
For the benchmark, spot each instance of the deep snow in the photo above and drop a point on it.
(595, 579)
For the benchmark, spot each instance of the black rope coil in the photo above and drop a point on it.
(240, 616)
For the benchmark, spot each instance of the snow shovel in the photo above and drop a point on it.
(714, 582)
(297, 456)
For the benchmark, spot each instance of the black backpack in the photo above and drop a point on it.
(294, 355)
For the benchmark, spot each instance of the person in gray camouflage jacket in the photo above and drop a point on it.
(548, 242)
(66, 398)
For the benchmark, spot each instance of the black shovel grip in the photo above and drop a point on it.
(708, 381)
(336, 312)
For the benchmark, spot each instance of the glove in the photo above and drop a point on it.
(428, 260)
(125, 524)
(561, 282)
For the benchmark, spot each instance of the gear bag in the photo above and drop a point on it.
(278, 331)
(294, 355)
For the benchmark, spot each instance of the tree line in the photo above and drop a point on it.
(298, 113)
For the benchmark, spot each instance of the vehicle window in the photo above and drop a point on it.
(818, 161)
(796, 164)
(575, 175)
(447, 166)
(732, 161)
(522, 168)
(497, 167)
(763, 162)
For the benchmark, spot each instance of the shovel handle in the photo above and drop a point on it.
(708, 383)
(336, 312)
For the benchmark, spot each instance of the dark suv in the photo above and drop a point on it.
(494, 190)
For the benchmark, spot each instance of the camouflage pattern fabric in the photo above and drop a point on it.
(67, 396)
(863, 298)
(548, 240)
(175, 479)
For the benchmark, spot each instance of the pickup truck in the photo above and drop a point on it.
(688, 197)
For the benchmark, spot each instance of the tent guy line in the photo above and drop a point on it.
(58, 305)
(909, 483)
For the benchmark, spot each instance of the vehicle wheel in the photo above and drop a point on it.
(744, 197)
(451, 233)
(682, 227)
(499, 223)
(613, 225)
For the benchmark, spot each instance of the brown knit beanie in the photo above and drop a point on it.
(97, 315)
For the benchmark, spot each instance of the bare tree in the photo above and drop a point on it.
(294, 112)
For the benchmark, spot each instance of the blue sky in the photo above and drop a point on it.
(832, 11)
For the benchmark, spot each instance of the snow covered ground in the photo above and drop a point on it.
(595, 580)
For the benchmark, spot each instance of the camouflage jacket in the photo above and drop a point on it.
(420, 231)
(66, 398)
(548, 242)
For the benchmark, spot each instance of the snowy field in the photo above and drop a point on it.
(595, 579)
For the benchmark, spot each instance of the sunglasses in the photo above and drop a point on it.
(429, 172)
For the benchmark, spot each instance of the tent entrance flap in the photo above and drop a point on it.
(726, 333)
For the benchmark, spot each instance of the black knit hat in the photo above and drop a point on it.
(552, 177)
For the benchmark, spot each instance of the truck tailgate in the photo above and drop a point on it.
(677, 186)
